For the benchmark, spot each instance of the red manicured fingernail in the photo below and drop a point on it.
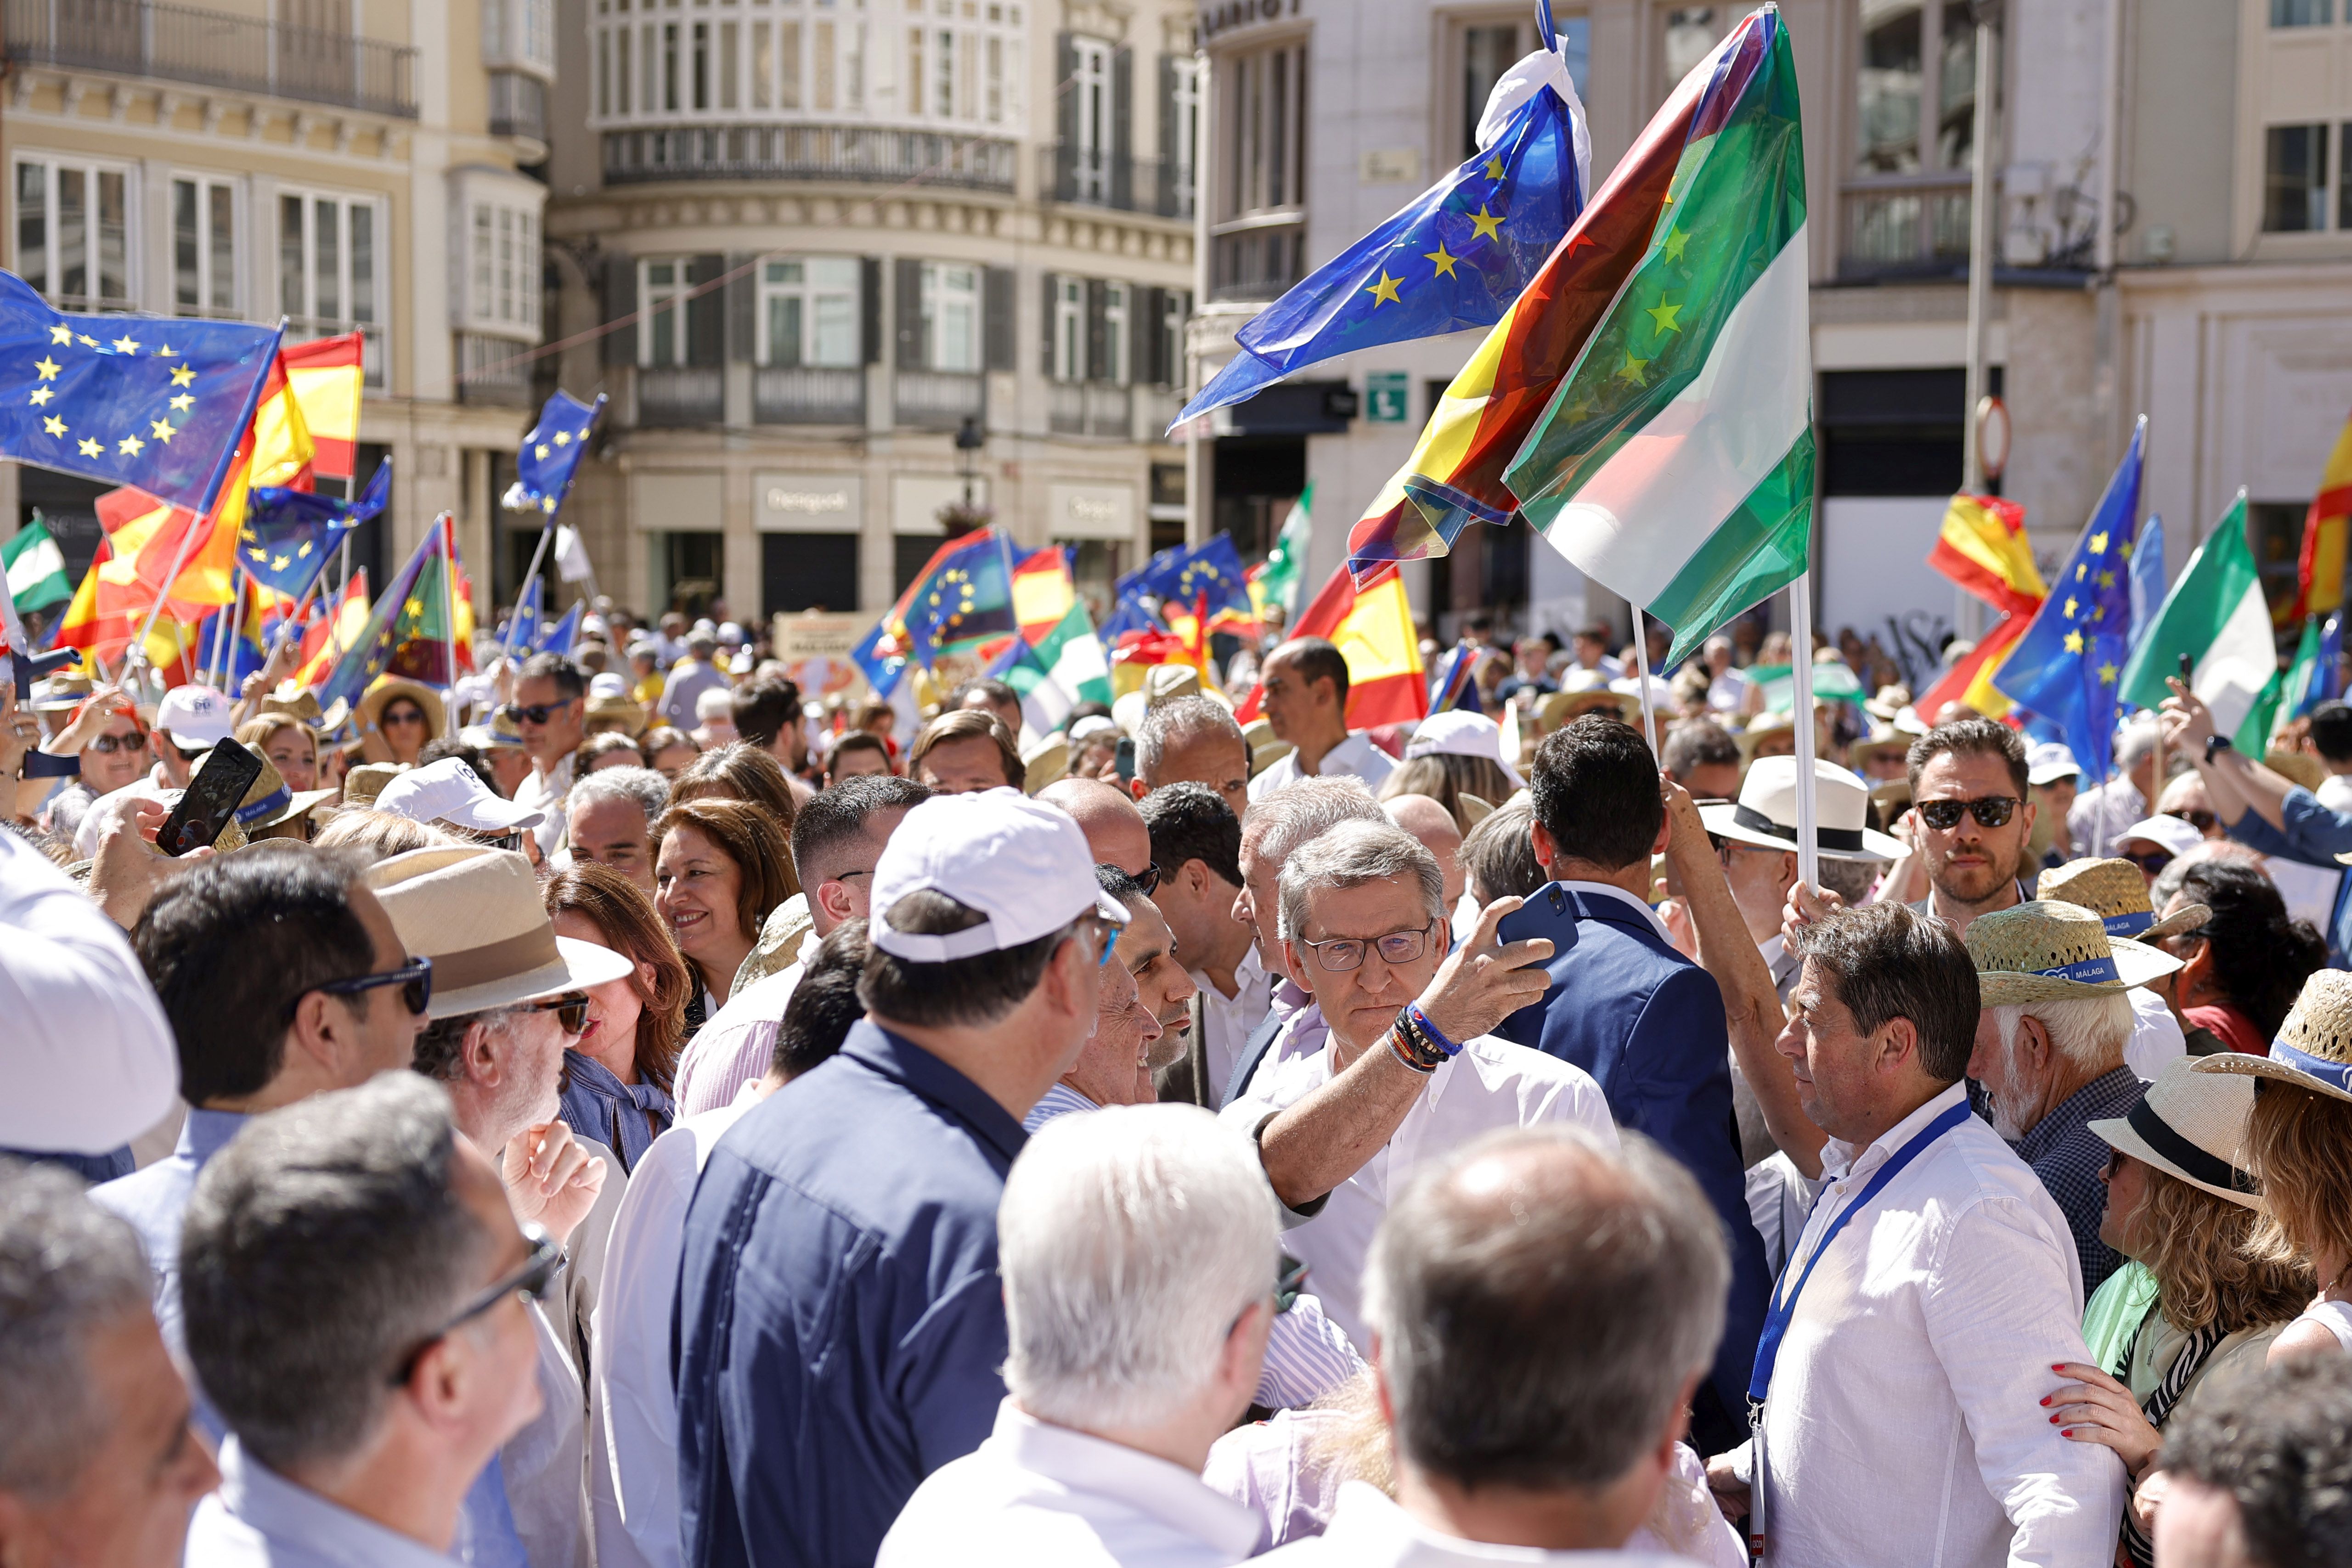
(2069, 1432)
(2057, 1366)
(2045, 1399)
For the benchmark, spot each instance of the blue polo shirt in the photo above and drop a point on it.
(840, 1324)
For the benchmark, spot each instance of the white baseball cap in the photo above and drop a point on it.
(2047, 761)
(2166, 832)
(608, 684)
(197, 717)
(450, 791)
(1457, 733)
(1023, 864)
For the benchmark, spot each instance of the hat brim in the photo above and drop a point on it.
(2240, 1065)
(1720, 819)
(579, 965)
(497, 814)
(2136, 964)
(301, 802)
(2120, 1134)
(2188, 917)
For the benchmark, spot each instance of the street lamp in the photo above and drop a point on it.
(969, 440)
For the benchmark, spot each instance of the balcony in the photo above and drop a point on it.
(494, 372)
(211, 49)
(1914, 226)
(796, 394)
(1090, 408)
(940, 399)
(517, 106)
(1096, 179)
(678, 397)
(859, 153)
(1257, 258)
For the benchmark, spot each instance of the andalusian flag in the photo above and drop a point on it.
(1372, 628)
(36, 568)
(2216, 615)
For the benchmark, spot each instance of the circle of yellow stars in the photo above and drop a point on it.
(1485, 223)
(2085, 581)
(543, 450)
(958, 580)
(46, 370)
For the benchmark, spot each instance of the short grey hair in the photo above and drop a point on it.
(1500, 854)
(1129, 1240)
(2089, 1031)
(1350, 855)
(641, 788)
(68, 1268)
(2133, 741)
(1469, 1282)
(1176, 722)
(1304, 810)
(322, 1246)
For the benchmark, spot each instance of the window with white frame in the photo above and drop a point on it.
(1069, 328)
(1116, 344)
(661, 304)
(332, 269)
(809, 312)
(74, 231)
(502, 266)
(1090, 94)
(951, 316)
(1183, 129)
(1173, 313)
(204, 246)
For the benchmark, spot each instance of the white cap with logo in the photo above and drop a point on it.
(451, 791)
(197, 717)
(1022, 865)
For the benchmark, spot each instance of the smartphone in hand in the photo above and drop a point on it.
(211, 798)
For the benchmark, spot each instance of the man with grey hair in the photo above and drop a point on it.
(1137, 1251)
(1559, 1441)
(1274, 829)
(609, 817)
(98, 1464)
(1193, 740)
(1407, 1071)
(2099, 815)
(356, 1293)
(689, 678)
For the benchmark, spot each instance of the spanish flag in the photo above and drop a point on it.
(1372, 628)
(1983, 548)
(325, 374)
(331, 635)
(2320, 571)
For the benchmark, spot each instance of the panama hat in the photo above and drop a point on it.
(304, 707)
(1459, 733)
(1266, 747)
(365, 782)
(65, 688)
(1475, 809)
(269, 802)
(2313, 1048)
(1882, 738)
(373, 701)
(2048, 951)
(1888, 702)
(2301, 767)
(496, 733)
(2191, 1126)
(1575, 688)
(617, 707)
(1047, 761)
(476, 913)
(2118, 894)
(1766, 812)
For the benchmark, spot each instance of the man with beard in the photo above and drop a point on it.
(1131, 1039)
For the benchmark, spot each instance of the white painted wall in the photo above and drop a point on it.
(1873, 570)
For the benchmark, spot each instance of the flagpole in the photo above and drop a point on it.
(1801, 623)
(538, 554)
(446, 524)
(1642, 663)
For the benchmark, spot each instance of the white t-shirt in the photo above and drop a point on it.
(1355, 756)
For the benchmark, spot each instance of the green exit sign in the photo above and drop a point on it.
(1387, 394)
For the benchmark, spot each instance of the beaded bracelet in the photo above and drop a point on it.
(1426, 1057)
(1399, 1048)
(1430, 1031)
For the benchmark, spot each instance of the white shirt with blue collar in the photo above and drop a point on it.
(259, 1519)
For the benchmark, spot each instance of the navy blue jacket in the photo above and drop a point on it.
(1648, 1024)
(840, 1325)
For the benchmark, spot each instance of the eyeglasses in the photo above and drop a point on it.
(2202, 821)
(1149, 879)
(1110, 934)
(538, 713)
(1991, 811)
(570, 1012)
(414, 979)
(530, 1283)
(106, 745)
(1339, 955)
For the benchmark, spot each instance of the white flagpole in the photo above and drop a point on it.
(445, 525)
(1641, 664)
(1801, 623)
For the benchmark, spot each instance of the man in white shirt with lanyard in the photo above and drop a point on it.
(1896, 1397)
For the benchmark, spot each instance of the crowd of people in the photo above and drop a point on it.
(620, 1113)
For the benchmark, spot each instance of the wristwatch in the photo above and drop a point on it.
(2215, 743)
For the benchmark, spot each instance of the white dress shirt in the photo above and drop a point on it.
(1905, 1420)
(545, 792)
(633, 1402)
(1228, 1022)
(1491, 1084)
(259, 1519)
(1355, 756)
(1369, 1531)
(1036, 1493)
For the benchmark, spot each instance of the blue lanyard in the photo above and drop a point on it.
(1784, 1304)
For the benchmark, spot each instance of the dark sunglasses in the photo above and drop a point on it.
(1991, 811)
(2150, 863)
(538, 713)
(403, 716)
(570, 1012)
(414, 979)
(1149, 879)
(106, 745)
(530, 1283)
(2202, 821)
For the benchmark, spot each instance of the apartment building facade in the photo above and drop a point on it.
(349, 164)
(840, 264)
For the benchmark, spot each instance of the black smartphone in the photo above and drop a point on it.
(1124, 759)
(2186, 667)
(211, 798)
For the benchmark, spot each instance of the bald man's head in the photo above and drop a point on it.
(1113, 828)
(1435, 827)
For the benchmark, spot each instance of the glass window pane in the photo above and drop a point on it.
(481, 259)
(222, 285)
(291, 300)
(73, 234)
(604, 71)
(505, 265)
(113, 240)
(1486, 54)
(2294, 178)
(821, 60)
(1888, 88)
(727, 65)
(2302, 13)
(665, 335)
(362, 262)
(701, 83)
(788, 65)
(621, 69)
(834, 338)
(1691, 34)
(763, 65)
(187, 288)
(1956, 99)
(327, 259)
(33, 225)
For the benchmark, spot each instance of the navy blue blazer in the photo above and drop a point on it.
(1648, 1024)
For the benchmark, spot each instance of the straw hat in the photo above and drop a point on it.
(1578, 688)
(373, 702)
(269, 802)
(63, 689)
(477, 914)
(615, 708)
(1475, 809)
(2313, 1048)
(1266, 747)
(496, 733)
(1761, 725)
(304, 706)
(1047, 761)
(2118, 894)
(1893, 798)
(2301, 766)
(1882, 738)
(365, 782)
(2190, 1125)
(2048, 951)
(1766, 812)
(1888, 702)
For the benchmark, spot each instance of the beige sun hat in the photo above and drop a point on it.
(2118, 894)
(1765, 816)
(476, 913)
(2192, 1126)
(2048, 951)
(303, 707)
(1266, 747)
(269, 802)
(2313, 1048)
(363, 783)
(1047, 761)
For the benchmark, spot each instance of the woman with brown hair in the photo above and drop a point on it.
(291, 746)
(610, 749)
(668, 751)
(618, 1071)
(396, 719)
(744, 773)
(720, 866)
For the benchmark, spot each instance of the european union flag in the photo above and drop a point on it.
(550, 454)
(524, 626)
(564, 633)
(882, 667)
(2065, 666)
(964, 598)
(1455, 258)
(288, 534)
(1128, 615)
(1181, 575)
(155, 404)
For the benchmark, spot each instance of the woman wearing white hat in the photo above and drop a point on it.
(1451, 755)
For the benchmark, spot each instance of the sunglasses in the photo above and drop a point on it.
(1149, 879)
(403, 716)
(1991, 811)
(2202, 821)
(414, 979)
(530, 1283)
(106, 745)
(538, 713)
(1339, 955)
(570, 1012)
(2154, 861)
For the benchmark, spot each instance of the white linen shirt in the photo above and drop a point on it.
(1491, 1084)
(259, 1519)
(1035, 1492)
(545, 792)
(1356, 756)
(1904, 1422)
(1228, 1022)
(1370, 1531)
(737, 1043)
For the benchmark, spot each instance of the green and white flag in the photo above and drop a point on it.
(1278, 581)
(2216, 615)
(37, 569)
(1675, 465)
(1061, 669)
